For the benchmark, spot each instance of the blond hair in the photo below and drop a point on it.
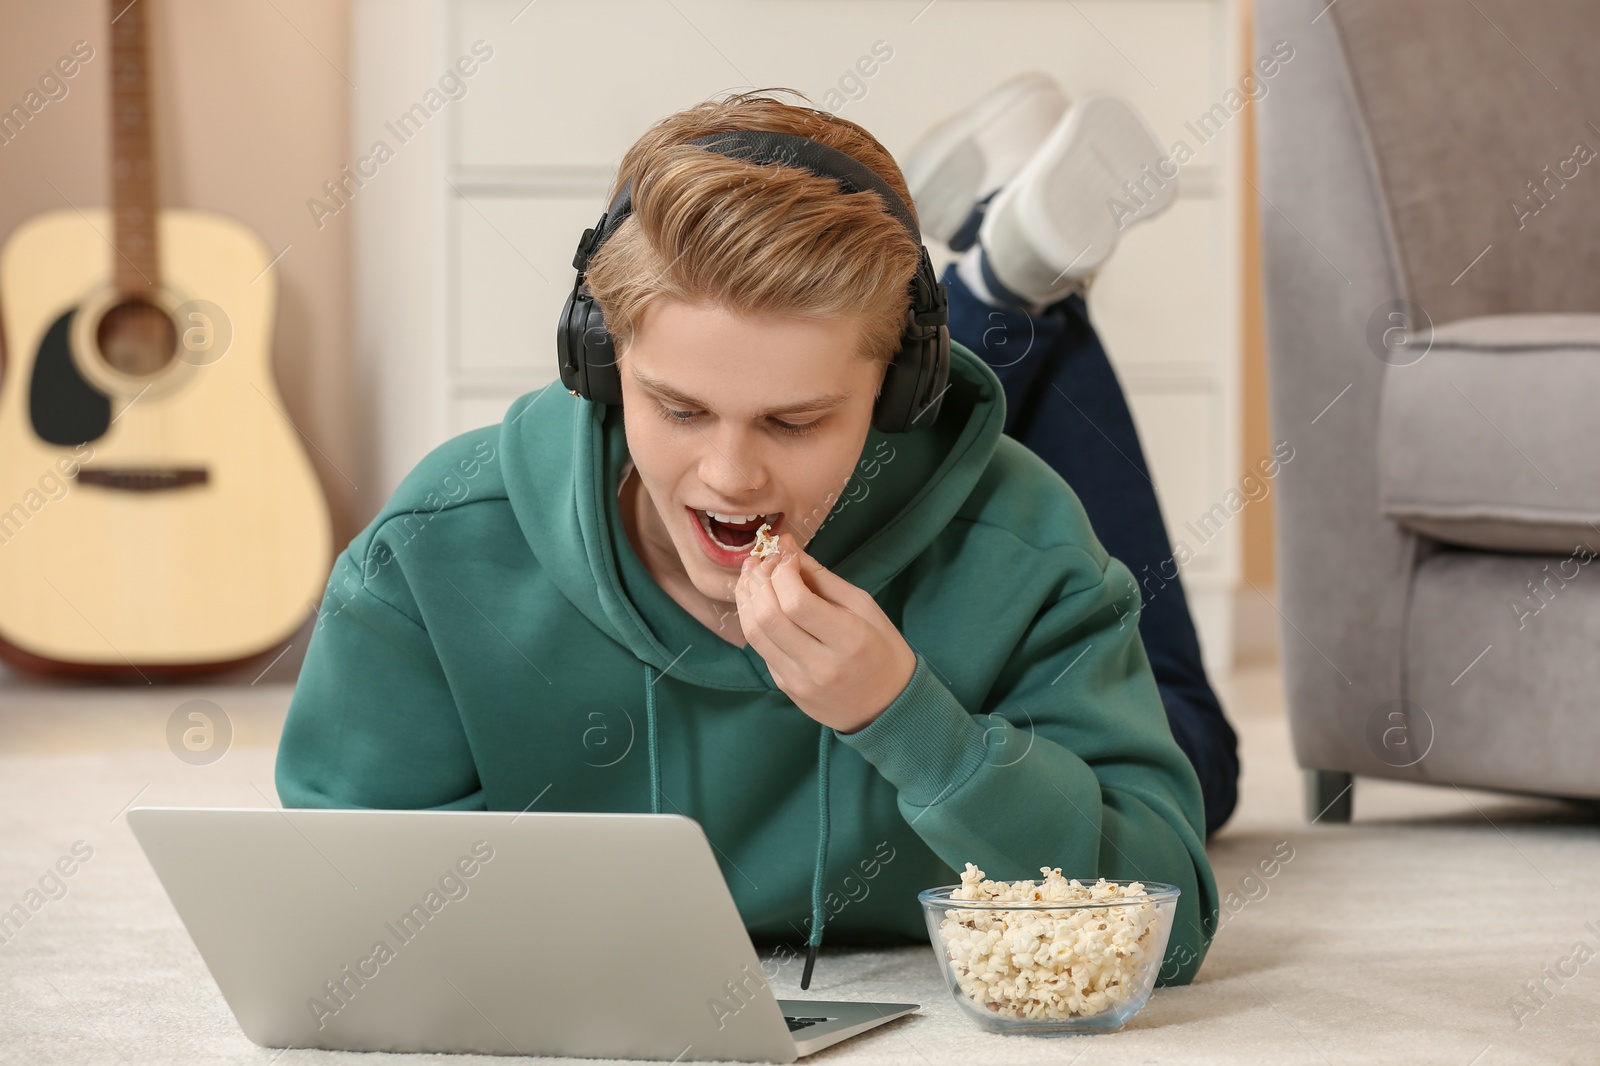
(757, 239)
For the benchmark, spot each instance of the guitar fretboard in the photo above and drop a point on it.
(137, 259)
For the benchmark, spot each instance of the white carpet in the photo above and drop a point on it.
(1404, 937)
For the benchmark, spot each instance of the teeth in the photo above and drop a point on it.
(705, 524)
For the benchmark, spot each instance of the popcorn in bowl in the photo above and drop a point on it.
(1066, 957)
(766, 544)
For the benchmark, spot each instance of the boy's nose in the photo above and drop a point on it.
(731, 472)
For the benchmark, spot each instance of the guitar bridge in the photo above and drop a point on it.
(146, 478)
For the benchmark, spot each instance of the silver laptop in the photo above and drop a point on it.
(591, 935)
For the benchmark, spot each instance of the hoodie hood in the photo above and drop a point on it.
(567, 507)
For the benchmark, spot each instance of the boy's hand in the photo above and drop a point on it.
(827, 643)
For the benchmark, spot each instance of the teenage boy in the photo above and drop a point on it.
(559, 612)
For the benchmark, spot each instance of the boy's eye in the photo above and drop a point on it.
(684, 417)
(796, 431)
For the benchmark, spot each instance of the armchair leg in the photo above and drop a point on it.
(1328, 795)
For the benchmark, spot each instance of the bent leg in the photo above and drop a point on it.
(1064, 402)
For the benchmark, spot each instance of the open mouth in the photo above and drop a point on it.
(733, 532)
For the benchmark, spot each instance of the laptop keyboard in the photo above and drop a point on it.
(796, 1024)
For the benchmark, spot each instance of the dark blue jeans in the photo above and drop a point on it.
(1064, 402)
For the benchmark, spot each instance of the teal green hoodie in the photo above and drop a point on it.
(491, 641)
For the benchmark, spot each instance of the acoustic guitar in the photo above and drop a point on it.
(158, 514)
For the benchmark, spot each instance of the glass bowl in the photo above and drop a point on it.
(1041, 967)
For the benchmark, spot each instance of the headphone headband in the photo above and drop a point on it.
(914, 384)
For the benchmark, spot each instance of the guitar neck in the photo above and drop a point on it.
(137, 259)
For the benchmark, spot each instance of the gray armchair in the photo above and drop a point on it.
(1430, 207)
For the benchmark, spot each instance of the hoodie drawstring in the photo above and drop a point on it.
(650, 732)
(814, 941)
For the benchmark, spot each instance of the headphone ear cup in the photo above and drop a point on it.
(583, 345)
(915, 378)
(889, 412)
(939, 372)
(569, 345)
(604, 377)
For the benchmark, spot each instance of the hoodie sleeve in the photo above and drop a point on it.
(1074, 765)
(373, 722)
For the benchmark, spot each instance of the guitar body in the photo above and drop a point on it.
(159, 523)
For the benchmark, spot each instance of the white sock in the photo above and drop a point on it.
(970, 272)
(969, 268)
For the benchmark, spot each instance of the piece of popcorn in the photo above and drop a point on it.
(766, 544)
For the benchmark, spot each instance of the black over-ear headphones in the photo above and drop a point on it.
(914, 385)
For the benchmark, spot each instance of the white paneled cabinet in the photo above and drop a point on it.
(464, 238)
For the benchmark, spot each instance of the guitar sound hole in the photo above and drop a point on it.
(136, 337)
